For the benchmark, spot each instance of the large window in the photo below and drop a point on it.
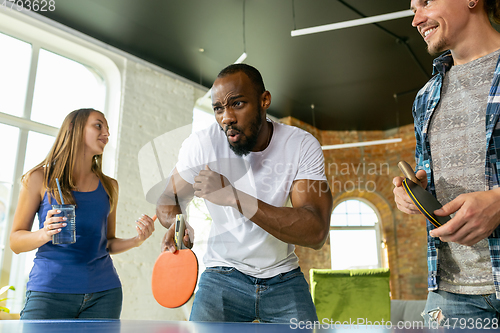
(355, 236)
(42, 78)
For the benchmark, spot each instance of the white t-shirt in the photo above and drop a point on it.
(235, 241)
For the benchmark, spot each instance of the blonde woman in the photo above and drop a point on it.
(73, 280)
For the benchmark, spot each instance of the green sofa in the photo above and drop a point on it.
(356, 296)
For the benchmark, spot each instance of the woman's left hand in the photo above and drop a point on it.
(145, 227)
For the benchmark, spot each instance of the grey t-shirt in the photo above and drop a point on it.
(458, 144)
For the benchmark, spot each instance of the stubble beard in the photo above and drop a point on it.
(244, 148)
(438, 48)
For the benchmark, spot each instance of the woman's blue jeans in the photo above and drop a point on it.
(101, 305)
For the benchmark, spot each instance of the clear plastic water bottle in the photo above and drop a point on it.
(68, 233)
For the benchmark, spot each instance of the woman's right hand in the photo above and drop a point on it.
(52, 224)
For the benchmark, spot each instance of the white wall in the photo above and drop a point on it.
(153, 103)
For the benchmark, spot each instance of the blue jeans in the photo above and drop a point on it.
(461, 311)
(101, 305)
(225, 294)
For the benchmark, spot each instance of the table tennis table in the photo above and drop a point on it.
(152, 326)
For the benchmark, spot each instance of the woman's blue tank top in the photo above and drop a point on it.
(84, 266)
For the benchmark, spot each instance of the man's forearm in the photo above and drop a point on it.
(306, 224)
(301, 226)
(174, 200)
(166, 214)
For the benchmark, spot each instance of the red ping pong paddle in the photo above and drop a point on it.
(175, 274)
(425, 202)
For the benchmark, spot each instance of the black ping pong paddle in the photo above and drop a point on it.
(425, 202)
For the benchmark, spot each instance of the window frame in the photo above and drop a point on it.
(376, 227)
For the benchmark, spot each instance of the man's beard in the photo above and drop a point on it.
(244, 148)
(440, 45)
(437, 48)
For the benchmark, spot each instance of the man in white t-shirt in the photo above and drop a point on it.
(246, 167)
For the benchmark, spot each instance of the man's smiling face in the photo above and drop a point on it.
(440, 22)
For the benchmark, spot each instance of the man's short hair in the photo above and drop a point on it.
(250, 71)
(492, 7)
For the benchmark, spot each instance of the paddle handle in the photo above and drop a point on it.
(407, 170)
(180, 227)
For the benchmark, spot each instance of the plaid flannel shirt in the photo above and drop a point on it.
(423, 107)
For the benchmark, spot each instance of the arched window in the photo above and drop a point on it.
(355, 240)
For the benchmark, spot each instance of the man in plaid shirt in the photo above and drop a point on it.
(458, 144)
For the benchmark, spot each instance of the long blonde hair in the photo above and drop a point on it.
(61, 159)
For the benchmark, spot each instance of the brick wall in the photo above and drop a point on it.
(367, 172)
